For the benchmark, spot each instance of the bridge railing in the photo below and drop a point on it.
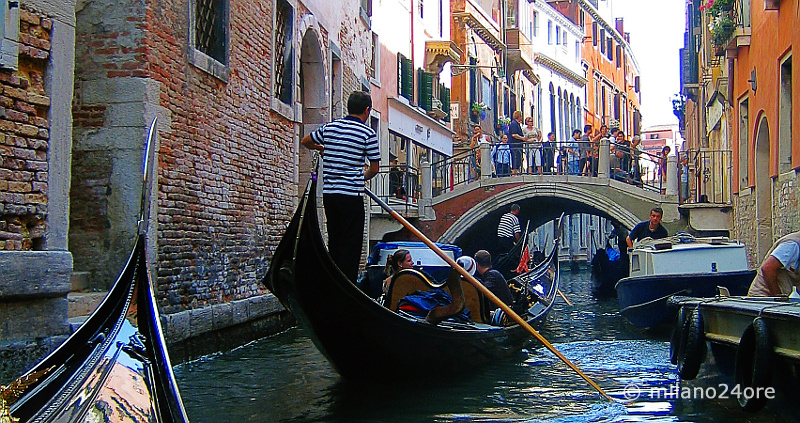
(639, 168)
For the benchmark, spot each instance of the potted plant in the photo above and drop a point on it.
(502, 123)
(722, 29)
(479, 109)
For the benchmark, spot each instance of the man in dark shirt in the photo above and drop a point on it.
(649, 228)
(515, 139)
(491, 278)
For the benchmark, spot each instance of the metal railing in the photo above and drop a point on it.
(398, 186)
(639, 168)
(708, 178)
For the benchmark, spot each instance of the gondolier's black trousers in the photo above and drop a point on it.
(345, 222)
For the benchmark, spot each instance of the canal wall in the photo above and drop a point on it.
(36, 80)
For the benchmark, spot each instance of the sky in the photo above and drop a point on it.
(656, 29)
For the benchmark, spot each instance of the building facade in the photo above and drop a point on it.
(36, 74)
(234, 85)
(609, 66)
(739, 103)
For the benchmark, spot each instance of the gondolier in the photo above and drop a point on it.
(347, 143)
(508, 230)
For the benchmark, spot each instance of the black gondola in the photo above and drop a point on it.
(363, 339)
(115, 366)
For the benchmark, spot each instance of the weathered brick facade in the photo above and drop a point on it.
(227, 168)
(24, 129)
(785, 214)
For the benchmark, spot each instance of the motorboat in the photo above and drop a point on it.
(679, 265)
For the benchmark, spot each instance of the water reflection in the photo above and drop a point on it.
(285, 379)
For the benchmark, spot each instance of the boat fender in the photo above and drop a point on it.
(692, 347)
(675, 338)
(753, 364)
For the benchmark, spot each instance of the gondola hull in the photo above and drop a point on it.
(115, 367)
(361, 338)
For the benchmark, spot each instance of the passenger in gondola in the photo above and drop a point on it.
(492, 278)
(399, 260)
(495, 282)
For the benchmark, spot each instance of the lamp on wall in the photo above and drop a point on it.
(752, 80)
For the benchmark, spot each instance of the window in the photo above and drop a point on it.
(744, 129)
(610, 49)
(564, 39)
(602, 41)
(558, 35)
(619, 56)
(421, 8)
(405, 78)
(284, 52)
(594, 34)
(208, 36)
(535, 24)
(365, 10)
(425, 89)
(209, 32)
(549, 32)
(785, 117)
(375, 62)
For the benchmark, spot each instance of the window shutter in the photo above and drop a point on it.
(399, 74)
(444, 97)
(407, 82)
(425, 90)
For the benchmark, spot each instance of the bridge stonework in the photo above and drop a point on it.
(476, 207)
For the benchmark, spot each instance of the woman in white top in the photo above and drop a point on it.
(534, 148)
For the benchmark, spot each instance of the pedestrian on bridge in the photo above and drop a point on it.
(508, 230)
(501, 154)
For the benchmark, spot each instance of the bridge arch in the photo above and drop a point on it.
(541, 203)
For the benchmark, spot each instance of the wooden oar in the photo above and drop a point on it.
(480, 287)
(564, 297)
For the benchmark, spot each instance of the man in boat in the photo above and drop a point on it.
(347, 144)
(508, 230)
(779, 274)
(649, 228)
(491, 278)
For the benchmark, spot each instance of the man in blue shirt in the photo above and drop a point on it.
(649, 228)
(347, 144)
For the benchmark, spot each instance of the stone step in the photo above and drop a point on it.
(83, 303)
(80, 281)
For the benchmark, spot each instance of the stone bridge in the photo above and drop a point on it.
(467, 213)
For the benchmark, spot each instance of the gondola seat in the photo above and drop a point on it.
(407, 281)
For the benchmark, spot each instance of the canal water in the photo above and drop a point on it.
(284, 378)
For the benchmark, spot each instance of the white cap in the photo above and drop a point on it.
(468, 263)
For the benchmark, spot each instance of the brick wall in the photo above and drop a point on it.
(24, 139)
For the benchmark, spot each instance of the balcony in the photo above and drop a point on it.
(519, 51)
(475, 17)
(740, 38)
(439, 52)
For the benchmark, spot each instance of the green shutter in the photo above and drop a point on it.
(425, 90)
(444, 97)
(407, 82)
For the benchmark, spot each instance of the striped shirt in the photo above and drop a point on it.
(509, 226)
(348, 143)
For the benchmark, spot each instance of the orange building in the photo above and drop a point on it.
(612, 90)
(765, 100)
